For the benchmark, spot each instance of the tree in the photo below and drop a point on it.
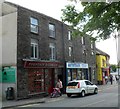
(102, 17)
(113, 67)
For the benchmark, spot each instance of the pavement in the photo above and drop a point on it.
(13, 103)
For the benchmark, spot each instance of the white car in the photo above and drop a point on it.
(81, 87)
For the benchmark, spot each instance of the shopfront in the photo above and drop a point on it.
(41, 75)
(76, 71)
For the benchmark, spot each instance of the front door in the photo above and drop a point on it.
(49, 80)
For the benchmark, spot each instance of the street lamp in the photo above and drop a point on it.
(117, 38)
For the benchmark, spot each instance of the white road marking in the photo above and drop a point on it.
(93, 103)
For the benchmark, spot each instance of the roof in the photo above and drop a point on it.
(100, 52)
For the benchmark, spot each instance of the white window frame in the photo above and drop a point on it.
(52, 51)
(92, 45)
(92, 52)
(69, 35)
(51, 30)
(70, 51)
(34, 44)
(34, 25)
(83, 40)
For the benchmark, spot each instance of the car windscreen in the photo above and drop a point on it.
(72, 84)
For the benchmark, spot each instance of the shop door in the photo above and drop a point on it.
(49, 80)
(36, 81)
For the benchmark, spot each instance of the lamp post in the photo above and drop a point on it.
(117, 39)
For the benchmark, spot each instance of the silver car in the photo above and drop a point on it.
(81, 87)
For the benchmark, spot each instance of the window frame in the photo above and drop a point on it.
(34, 25)
(34, 44)
(69, 35)
(70, 51)
(52, 51)
(83, 40)
(52, 31)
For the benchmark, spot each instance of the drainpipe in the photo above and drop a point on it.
(64, 62)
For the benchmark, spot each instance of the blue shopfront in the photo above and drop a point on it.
(76, 70)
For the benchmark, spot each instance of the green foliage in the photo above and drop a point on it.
(97, 16)
(113, 67)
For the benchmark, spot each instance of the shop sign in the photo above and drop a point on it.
(7, 75)
(32, 64)
(76, 65)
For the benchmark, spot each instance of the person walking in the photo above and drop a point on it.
(111, 79)
(106, 79)
(59, 85)
(117, 78)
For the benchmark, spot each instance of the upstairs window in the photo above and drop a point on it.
(69, 35)
(33, 25)
(52, 30)
(34, 49)
(84, 52)
(92, 52)
(52, 51)
(92, 46)
(83, 40)
(70, 51)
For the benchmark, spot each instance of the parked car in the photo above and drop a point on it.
(81, 87)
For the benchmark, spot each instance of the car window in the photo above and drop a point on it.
(72, 83)
(88, 83)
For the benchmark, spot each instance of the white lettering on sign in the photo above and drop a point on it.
(76, 65)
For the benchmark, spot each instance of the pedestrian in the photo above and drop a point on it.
(106, 79)
(117, 78)
(59, 85)
(111, 79)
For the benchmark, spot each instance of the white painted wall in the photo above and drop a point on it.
(8, 42)
(0, 50)
(9, 38)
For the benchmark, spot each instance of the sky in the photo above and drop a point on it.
(53, 8)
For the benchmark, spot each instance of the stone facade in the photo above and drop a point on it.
(61, 42)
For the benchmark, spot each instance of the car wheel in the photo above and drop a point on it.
(95, 91)
(83, 93)
(68, 94)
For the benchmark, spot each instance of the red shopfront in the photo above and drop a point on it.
(41, 75)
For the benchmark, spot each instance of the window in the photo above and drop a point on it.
(52, 51)
(92, 46)
(83, 40)
(52, 30)
(70, 51)
(88, 83)
(69, 35)
(34, 49)
(33, 25)
(84, 52)
(103, 62)
(92, 52)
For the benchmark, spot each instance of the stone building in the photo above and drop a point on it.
(38, 49)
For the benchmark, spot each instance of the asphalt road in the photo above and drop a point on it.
(107, 97)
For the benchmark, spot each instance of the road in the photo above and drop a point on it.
(107, 97)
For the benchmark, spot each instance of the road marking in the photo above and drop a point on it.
(93, 103)
(55, 100)
(26, 105)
